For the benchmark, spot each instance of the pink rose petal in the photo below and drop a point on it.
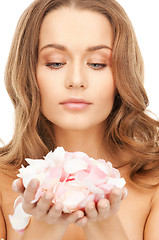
(96, 176)
(73, 177)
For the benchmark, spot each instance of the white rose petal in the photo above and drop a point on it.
(116, 182)
(56, 158)
(75, 165)
(19, 219)
(59, 172)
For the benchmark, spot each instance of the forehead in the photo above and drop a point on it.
(75, 28)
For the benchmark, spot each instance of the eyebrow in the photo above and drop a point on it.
(63, 48)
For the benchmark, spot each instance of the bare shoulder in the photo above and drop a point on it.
(2, 219)
(135, 210)
(2, 225)
(5, 183)
(7, 198)
(151, 227)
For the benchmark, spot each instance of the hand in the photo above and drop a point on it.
(44, 209)
(104, 208)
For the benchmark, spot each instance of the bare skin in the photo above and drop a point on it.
(84, 75)
(134, 219)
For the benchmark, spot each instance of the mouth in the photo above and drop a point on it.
(75, 103)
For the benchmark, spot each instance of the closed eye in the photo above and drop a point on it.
(58, 65)
(97, 66)
(55, 65)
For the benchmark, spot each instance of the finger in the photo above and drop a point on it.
(82, 221)
(54, 213)
(103, 207)
(29, 195)
(90, 210)
(115, 199)
(43, 205)
(18, 186)
(75, 216)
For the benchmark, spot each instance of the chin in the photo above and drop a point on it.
(78, 125)
(75, 127)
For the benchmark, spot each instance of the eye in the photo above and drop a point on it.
(55, 65)
(97, 66)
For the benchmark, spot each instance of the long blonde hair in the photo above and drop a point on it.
(128, 127)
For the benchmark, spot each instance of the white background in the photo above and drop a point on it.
(145, 18)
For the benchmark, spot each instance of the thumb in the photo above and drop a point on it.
(18, 186)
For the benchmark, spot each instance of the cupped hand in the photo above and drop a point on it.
(44, 209)
(104, 208)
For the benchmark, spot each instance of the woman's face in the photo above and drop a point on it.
(74, 72)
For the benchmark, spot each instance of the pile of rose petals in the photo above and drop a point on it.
(73, 177)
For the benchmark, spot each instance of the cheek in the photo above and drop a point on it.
(106, 96)
(106, 90)
(43, 81)
(46, 93)
(46, 84)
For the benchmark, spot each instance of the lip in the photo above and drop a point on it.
(75, 103)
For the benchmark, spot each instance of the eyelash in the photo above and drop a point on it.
(99, 64)
(52, 65)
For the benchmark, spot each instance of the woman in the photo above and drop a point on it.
(75, 77)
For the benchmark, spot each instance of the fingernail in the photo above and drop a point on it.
(58, 206)
(91, 206)
(104, 204)
(14, 185)
(80, 215)
(125, 193)
(34, 184)
(48, 196)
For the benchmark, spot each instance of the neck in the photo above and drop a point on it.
(89, 141)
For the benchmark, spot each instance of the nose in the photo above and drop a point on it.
(76, 78)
